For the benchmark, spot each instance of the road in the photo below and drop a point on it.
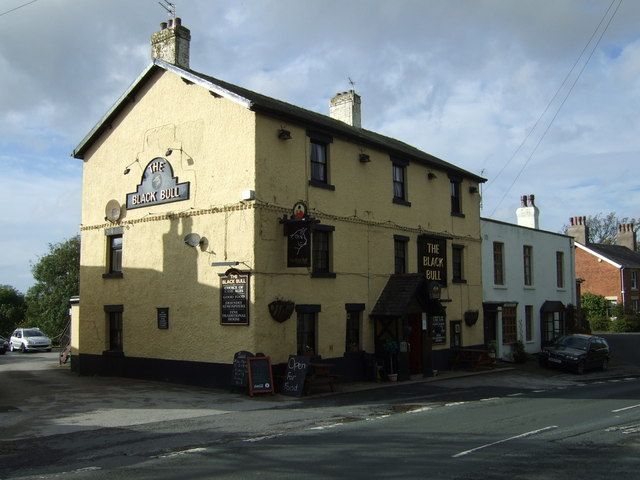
(503, 425)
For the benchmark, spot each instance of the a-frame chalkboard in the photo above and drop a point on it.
(240, 372)
(295, 376)
(260, 375)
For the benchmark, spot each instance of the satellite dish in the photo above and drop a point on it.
(192, 239)
(112, 211)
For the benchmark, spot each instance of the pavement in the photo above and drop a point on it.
(41, 398)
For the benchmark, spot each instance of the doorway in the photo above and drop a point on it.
(415, 342)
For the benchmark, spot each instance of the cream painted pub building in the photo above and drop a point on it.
(217, 220)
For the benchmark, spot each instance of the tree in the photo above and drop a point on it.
(12, 309)
(604, 228)
(594, 306)
(57, 276)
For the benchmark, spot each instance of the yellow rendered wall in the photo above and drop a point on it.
(214, 149)
(365, 220)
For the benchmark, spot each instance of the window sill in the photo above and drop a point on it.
(500, 287)
(323, 275)
(528, 287)
(458, 280)
(401, 201)
(455, 214)
(319, 184)
(112, 275)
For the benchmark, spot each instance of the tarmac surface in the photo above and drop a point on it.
(40, 398)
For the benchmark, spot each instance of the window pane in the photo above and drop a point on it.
(353, 332)
(306, 334)
(319, 162)
(320, 251)
(400, 253)
(398, 182)
(560, 269)
(115, 253)
(528, 313)
(527, 258)
(456, 262)
(115, 331)
(509, 331)
(455, 197)
(498, 264)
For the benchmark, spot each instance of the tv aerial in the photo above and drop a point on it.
(112, 211)
(169, 7)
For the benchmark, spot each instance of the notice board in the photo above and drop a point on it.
(234, 298)
(260, 375)
(295, 376)
(240, 372)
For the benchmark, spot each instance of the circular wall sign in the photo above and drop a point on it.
(299, 210)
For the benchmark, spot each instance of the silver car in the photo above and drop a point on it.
(29, 340)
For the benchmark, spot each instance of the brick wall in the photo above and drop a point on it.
(600, 277)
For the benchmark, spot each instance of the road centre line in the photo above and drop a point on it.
(625, 408)
(522, 435)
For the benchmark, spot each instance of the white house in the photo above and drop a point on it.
(528, 280)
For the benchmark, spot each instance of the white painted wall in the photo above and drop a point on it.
(544, 286)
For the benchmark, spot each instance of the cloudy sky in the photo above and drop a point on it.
(466, 81)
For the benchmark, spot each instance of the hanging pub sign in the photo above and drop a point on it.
(432, 258)
(234, 298)
(158, 186)
(298, 232)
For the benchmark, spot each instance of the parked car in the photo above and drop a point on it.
(29, 339)
(4, 345)
(576, 352)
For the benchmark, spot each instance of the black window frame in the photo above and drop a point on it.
(399, 181)
(114, 256)
(307, 329)
(528, 323)
(498, 264)
(115, 327)
(353, 327)
(322, 258)
(457, 264)
(560, 269)
(456, 195)
(400, 254)
(323, 141)
(527, 265)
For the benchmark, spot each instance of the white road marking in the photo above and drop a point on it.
(259, 439)
(182, 452)
(522, 435)
(515, 394)
(453, 404)
(489, 399)
(539, 391)
(625, 408)
(418, 410)
(325, 427)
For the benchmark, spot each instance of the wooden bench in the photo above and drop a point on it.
(475, 358)
(320, 376)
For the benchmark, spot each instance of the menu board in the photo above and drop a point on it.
(240, 373)
(294, 377)
(438, 330)
(234, 298)
(260, 375)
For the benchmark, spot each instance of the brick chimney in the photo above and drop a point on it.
(528, 214)
(626, 236)
(579, 230)
(171, 43)
(345, 107)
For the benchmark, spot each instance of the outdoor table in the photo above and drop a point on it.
(320, 375)
(474, 357)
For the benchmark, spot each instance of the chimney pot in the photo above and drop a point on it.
(579, 230)
(532, 200)
(523, 201)
(163, 25)
(177, 22)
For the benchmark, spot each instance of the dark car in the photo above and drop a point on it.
(4, 346)
(576, 352)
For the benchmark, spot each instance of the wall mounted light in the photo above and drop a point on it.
(127, 169)
(284, 134)
(431, 175)
(364, 158)
(171, 150)
(473, 189)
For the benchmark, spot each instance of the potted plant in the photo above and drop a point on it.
(281, 309)
(518, 352)
(492, 348)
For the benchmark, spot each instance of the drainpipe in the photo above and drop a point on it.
(622, 283)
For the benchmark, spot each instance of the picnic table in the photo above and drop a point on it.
(320, 376)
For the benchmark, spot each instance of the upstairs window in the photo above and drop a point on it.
(560, 269)
(319, 160)
(457, 263)
(399, 176)
(400, 253)
(498, 263)
(456, 200)
(321, 251)
(527, 259)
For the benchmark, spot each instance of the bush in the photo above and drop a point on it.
(626, 323)
(600, 324)
(518, 353)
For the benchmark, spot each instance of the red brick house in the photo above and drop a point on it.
(612, 271)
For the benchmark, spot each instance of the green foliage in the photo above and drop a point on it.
(603, 228)
(12, 309)
(518, 352)
(626, 323)
(600, 324)
(594, 306)
(57, 276)
(576, 321)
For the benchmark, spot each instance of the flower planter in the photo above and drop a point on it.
(281, 310)
(393, 377)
